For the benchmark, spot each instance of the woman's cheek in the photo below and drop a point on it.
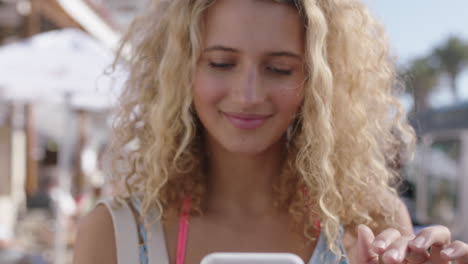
(208, 88)
(288, 98)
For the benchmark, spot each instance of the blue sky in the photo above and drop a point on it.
(415, 27)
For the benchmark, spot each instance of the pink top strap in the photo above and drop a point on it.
(183, 230)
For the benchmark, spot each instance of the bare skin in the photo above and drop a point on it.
(214, 232)
(96, 242)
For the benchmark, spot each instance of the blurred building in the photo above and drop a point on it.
(28, 156)
(439, 171)
(118, 12)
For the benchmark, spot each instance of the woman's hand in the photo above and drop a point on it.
(432, 245)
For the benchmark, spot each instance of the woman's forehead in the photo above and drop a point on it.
(254, 25)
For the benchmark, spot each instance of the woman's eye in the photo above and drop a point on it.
(279, 71)
(221, 65)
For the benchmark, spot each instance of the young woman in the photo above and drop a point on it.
(261, 126)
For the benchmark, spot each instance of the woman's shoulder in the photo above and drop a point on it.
(95, 241)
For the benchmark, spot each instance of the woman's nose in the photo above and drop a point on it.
(249, 89)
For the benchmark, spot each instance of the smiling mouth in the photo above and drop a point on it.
(246, 121)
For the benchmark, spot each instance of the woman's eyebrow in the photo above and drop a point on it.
(221, 48)
(272, 54)
(285, 54)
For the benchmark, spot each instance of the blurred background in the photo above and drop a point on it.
(58, 89)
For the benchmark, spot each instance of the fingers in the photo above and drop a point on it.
(393, 248)
(384, 239)
(390, 247)
(365, 252)
(429, 237)
(396, 252)
(414, 257)
(456, 251)
(435, 238)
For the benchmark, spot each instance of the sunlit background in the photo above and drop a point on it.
(57, 92)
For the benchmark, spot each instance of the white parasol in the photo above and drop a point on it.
(49, 65)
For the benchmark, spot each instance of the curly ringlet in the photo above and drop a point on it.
(346, 138)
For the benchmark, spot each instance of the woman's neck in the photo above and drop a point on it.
(241, 184)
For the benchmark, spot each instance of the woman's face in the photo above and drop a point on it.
(248, 82)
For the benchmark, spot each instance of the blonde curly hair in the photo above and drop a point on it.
(343, 143)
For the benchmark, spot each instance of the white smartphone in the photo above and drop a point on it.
(251, 258)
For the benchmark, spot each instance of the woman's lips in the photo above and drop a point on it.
(246, 121)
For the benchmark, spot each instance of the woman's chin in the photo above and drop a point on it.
(252, 148)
